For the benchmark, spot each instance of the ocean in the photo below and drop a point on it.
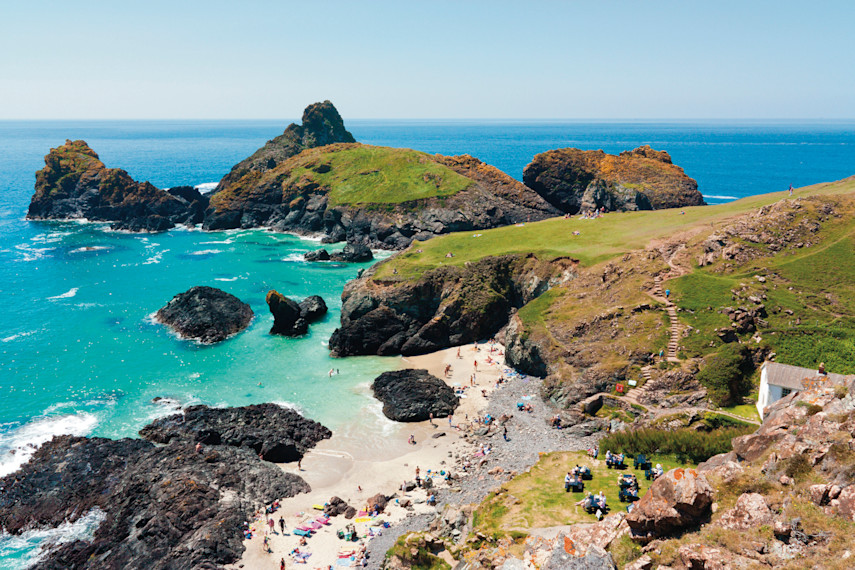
(78, 350)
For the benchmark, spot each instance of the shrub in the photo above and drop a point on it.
(841, 392)
(812, 409)
(726, 374)
(797, 465)
(685, 444)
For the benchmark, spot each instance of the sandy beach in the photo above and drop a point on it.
(358, 463)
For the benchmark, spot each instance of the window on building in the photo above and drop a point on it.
(785, 392)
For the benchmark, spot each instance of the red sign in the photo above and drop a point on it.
(619, 388)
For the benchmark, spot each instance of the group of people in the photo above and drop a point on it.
(592, 214)
(614, 459)
(594, 503)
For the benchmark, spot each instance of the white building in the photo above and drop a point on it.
(780, 380)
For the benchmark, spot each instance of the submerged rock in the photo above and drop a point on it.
(413, 395)
(574, 180)
(277, 434)
(317, 255)
(205, 314)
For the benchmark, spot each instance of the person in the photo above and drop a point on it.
(270, 524)
(418, 478)
(282, 564)
(412, 440)
(430, 419)
(505, 433)
(667, 293)
(567, 480)
(476, 366)
(199, 447)
(282, 525)
(432, 500)
(458, 352)
(300, 463)
(791, 189)
(449, 254)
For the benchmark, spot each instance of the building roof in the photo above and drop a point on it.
(798, 378)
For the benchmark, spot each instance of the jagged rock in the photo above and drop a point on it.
(350, 513)
(412, 395)
(313, 308)
(164, 506)
(377, 503)
(678, 500)
(601, 533)
(317, 255)
(335, 507)
(353, 253)
(643, 179)
(751, 511)
(75, 184)
(595, 558)
(643, 563)
(709, 558)
(205, 314)
(277, 434)
(287, 315)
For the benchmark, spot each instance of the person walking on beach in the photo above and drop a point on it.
(282, 525)
(282, 564)
(476, 366)
(431, 420)
(505, 432)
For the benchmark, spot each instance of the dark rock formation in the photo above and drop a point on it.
(286, 191)
(412, 395)
(321, 125)
(75, 184)
(677, 501)
(642, 179)
(447, 306)
(317, 255)
(353, 253)
(335, 507)
(277, 434)
(206, 314)
(313, 308)
(291, 318)
(165, 507)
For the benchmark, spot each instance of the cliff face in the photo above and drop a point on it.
(75, 184)
(381, 197)
(574, 180)
(447, 306)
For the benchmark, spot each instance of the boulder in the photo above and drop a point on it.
(601, 533)
(353, 253)
(413, 395)
(678, 500)
(313, 308)
(335, 507)
(705, 557)
(279, 435)
(595, 558)
(377, 503)
(317, 255)
(643, 563)
(287, 315)
(205, 314)
(751, 511)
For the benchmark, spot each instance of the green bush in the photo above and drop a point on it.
(685, 444)
(726, 374)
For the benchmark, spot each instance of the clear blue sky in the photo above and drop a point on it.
(437, 59)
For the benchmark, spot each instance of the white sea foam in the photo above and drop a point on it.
(31, 543)
(220, 242)
(716, 197)
(89, 248)
(289, 406)
(226, 278)
(67, 295)
(206, 186)
(296, 257)
(206, 252)
(17, 336)
(19, 444)
(156, 258)
(30, 253)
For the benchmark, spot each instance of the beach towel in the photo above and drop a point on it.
(323, 520)
(362, 519)
(362, 514)
(316, 525)
(318, 507)
(344, 562)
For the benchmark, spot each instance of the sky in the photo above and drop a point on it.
(427, 59)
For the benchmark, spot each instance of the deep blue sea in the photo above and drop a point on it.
(79, 353)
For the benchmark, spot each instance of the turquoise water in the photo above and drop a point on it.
(79, 353)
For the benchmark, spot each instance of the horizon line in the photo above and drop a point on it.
(453, 119)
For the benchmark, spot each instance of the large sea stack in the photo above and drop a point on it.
(414, 395)
(376, 196)
(575, 180)
(75, 184)
(205, 314)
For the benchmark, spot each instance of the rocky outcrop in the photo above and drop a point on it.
(291, 318)
(163, 506)
(678, 500)
(318, 191)
(317, 255)
(447, 306)
(751, 511)
(575, 180)
(275, 433)
(414, 395)
(321, 125)
(75, 184)
(353, 253)
(205, 314)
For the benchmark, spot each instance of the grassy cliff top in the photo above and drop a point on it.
(356, 174)
(598, 240)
